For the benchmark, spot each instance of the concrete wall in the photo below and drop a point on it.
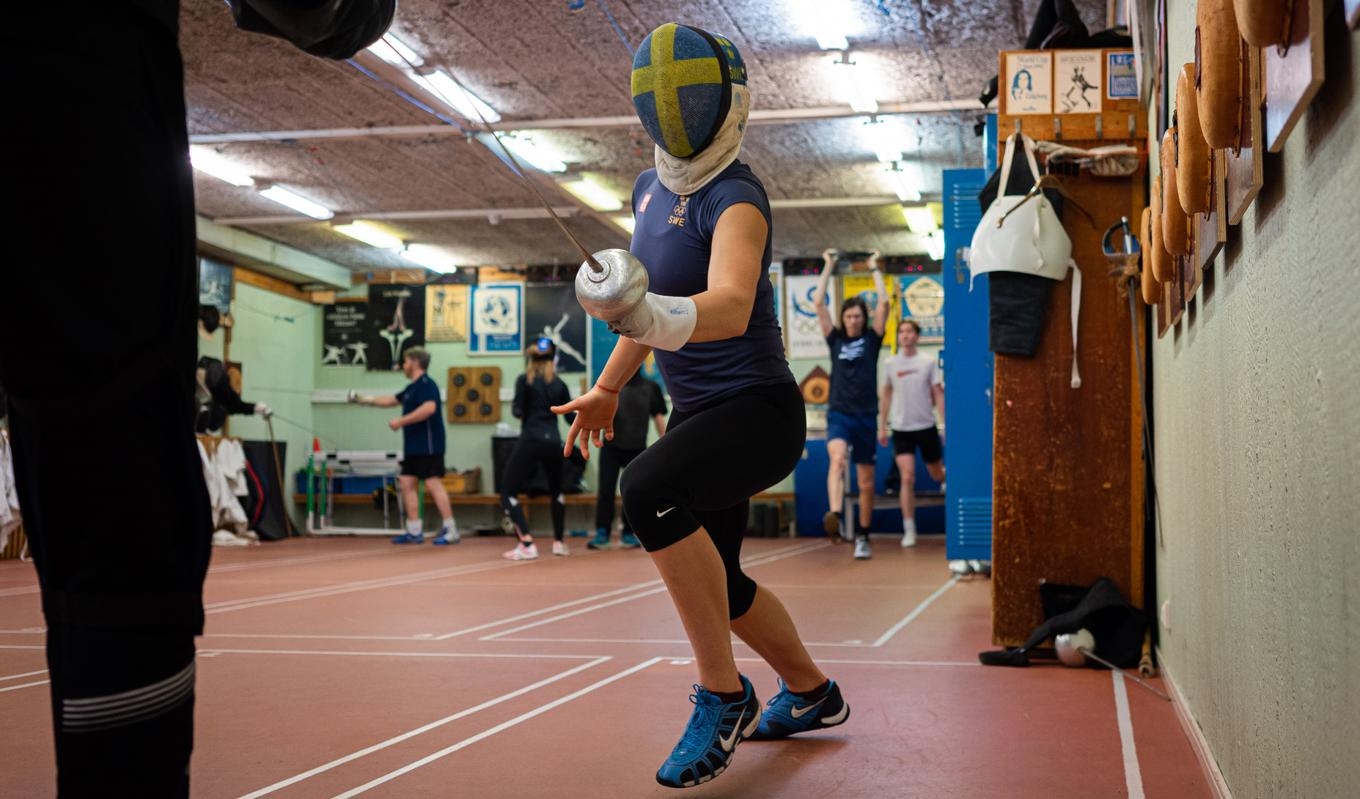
(1257, 407)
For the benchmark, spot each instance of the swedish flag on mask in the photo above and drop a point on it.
(682, 86)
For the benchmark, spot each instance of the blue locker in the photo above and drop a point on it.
(967, 374)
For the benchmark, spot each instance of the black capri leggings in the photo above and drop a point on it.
(705, 470)
(527, 455)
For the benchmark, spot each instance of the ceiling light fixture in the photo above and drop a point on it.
(369, 233)
(920, 219)
(395, 52)
(593, 194)
(885, 139)
(628, 223)
(854, 84)
(297, 202)
(526, 148)
(207, 161)
(935, 246)
(905, 179)
(466, 104)
(828, 21)
(432, 258)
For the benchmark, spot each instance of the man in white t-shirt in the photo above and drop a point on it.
(911, 391)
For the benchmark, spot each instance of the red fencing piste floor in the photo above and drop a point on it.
(347, 667)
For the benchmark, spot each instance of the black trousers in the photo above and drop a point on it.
(525, 459)
(612, 460)
(98, 305)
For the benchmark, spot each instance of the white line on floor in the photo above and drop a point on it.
(20, 591)
(24, 685)
(347, 588)
(212, 650)
(541, 611)
(265, 563)
(922, 663)
(309, 637)
(25, 674)
(421, 730)
(523, 717)
(1133, 776)
(760, 560)
(580, 612)
(22, 646)
(917, 611)
(735, 641)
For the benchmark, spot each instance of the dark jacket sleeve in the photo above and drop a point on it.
(521, 391)
(327, 28)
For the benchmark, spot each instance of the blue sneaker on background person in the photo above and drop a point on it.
(447, 535)
(715, 728)
(601, 539)
(409, 538)
(629, 541)
(788, 713)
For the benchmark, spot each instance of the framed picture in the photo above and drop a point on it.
(497, 319)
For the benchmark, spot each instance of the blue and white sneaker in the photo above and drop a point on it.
(409, 538)
(789, 714)
(715, 728)
(447, 535)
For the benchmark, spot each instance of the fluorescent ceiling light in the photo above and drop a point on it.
(828, 21)
(207, 161)
(885, 139)
(533, 153)
(593, 194)
(297, 202)
(920, 219)
(442, 85)
(395, 52)
(906, 181)
(369, 233)
(432, 258)
(935, 246)
(855, 85)
(628, 223)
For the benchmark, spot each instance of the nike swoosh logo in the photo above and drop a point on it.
(661, 513)
(799, 712)
(730, 741)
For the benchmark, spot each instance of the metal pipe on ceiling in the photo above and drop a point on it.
(496, 215)
(762, 116)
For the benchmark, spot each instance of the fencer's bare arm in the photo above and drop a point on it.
(724, 309)
(820, 297)
(884, 300)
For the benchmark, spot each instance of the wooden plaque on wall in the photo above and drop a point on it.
(1245, 167)
(1293, 76)
(474, 395)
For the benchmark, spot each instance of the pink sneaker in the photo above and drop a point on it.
(522, 552)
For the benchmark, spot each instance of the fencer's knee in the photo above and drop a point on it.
(741, 593)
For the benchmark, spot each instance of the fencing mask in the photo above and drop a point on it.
(689, 89)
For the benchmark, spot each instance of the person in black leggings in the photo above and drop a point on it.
(540, 444)
(703, 233)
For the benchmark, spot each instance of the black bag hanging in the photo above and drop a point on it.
(1018, 302)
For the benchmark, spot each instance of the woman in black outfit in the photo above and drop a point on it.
(540, 442)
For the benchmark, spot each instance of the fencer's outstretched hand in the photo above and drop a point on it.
(263, 411)
(829, 259)
(874, 258)
(594, 420)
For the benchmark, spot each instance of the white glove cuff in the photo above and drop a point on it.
(673, 321)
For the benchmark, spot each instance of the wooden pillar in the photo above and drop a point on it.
(1067, 463)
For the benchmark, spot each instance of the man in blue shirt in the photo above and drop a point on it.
(422, 430)
(852, 413)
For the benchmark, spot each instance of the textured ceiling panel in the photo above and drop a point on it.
(538, 60)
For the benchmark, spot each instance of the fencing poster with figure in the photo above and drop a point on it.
(446, 312)
(396, 322)
(552, 311)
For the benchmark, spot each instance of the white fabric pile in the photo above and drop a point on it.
(224, 470)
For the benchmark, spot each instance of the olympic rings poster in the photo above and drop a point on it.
(497, 319)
